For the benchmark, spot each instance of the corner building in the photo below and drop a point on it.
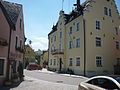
(87, 40)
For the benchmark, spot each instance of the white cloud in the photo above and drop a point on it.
(40, 43)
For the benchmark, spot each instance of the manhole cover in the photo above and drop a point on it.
(59, 81)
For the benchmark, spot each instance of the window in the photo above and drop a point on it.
(78, 61)
(20, 43)
(1, 66)
(60, 34)
(104, 83)
(117, 45)
(98, 61)
(16, 43)
(54, 38)
(70, 44)
(118, 61)
(20, 24)
(77, 42)
(98, 42)
(98, 25)
(78, 26)
(70, 32)
(71, 62)
(50, 61)
(60, 47)
(110, 14)
(116, 30)
(54, 62)
(105, 10)
(51, 39)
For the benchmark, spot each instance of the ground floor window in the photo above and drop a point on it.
(50, 61)
(54, 62)
(1, 66)
(98, 61)
(118, 61)
(70, 62)
(78, 61)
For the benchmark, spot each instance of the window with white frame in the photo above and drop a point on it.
(60, 47)
(110, 13)
(50, 61)
(78, 61)
(78, 26)
(60, 34)
(117, 45)
(98, 61)
(98, 25)
(54, 38)
(98, 42)
(70, 44)
(54, 62)
(116, 31)
(70, 31)
(77, 42)
(1, 66)
(71, 62)
(105, 10)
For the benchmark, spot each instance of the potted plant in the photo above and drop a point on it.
(7, 82)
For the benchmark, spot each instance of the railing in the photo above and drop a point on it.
(54, 52)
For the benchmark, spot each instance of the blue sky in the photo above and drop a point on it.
(39, 17)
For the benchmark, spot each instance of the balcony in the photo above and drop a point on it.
(55, 52)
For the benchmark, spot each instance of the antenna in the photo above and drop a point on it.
(62, 4)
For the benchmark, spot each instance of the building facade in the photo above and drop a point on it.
(44, 59)
(29, 55)
(87, 40)
(12, 39)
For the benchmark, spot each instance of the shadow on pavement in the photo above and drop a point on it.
(11, 86)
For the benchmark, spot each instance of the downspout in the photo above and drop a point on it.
(9, 53)
(84, 29)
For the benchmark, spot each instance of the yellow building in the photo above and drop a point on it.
(87, 40)
(29, 54)
(44, 61)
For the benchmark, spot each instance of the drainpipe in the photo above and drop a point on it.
(8, 53)
(84, 47)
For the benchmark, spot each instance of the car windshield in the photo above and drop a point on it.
(34, 65)
(118, 79)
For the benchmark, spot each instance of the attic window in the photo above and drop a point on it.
(108, 0)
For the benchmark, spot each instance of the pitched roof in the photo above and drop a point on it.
(11, 12)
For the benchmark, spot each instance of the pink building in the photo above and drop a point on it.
(12, 38)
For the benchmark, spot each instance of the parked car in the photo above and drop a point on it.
(33, 67)
(100, 83)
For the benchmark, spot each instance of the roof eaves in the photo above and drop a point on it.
(7, 17)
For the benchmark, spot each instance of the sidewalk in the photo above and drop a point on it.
(35, 84)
